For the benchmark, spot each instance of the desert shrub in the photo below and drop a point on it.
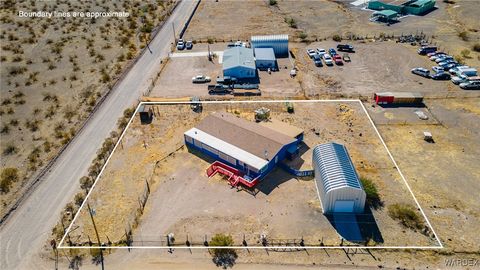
(86, 183)
(5, 129)
(47, 146)
(79, 197)
(303, 36)
(14, 71)
(69, 112)
(406, 215)
(337, 38)
(463, 35)
(10, 149)
(459, 59)
(7, 178)
(465, 53)
(272, 2)
(373, 198)
(224, 257)
(18, 94)
(32, 125)
(476, 47)
(291, 22)
(14, 122)
(210, 40)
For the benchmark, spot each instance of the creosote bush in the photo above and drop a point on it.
(406, 215)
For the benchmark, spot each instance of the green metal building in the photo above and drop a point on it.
(413, 7)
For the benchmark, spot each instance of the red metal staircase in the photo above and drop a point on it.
(234, 176)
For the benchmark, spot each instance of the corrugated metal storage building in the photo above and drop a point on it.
(419, 7)
(337, 181)
(414, 7)
(239, 62)
(247, 146)
(397, 98)
(265, 59)
(279, 43)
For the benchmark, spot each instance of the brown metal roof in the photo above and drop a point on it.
(282, 127)
(249, 136)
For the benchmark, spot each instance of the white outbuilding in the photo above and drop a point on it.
(338, 185)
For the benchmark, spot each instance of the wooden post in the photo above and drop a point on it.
(96, 233)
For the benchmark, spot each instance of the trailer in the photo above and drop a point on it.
(247, 92)
(397, 98)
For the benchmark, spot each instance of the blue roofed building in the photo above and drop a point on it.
(265, 59)
(239, 62)
(338, 185)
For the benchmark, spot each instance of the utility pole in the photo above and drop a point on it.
(96, 232)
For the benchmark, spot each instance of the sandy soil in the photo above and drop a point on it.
(445, 189)
(68, 64)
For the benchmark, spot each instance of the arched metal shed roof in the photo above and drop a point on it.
(335, 167)
(279, 43)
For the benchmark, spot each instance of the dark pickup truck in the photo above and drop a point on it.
(219, 89)
(345, 48)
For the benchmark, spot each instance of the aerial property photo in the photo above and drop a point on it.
(264, 175)
(256, 134)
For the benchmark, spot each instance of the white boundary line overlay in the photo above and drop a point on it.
(440, 245)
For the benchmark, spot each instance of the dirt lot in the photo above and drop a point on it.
(375, 66)
(54, 71)
(321, 19)
(184, 201)
(234, 20)
(445, 188)
(176, 77)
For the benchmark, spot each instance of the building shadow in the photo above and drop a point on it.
(428, 11)
(297, 162)
(273, 180)
(403, 105)
(356, 228)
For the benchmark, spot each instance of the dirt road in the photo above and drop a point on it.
(28, 228)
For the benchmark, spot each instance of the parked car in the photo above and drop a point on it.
(470, 85)
(317, 60)
(426, 49)
(447, 64)
(189, 45)
(226, 80)
(445, 58)
(345, 48)
(457, 69)
(434, 53)
(328, 60)
(338, 60)
(332, 51)
(438, 55)
(321, 51)
(451, 65)
(466, 71)
(438, 69)
(311, 52)
(463, 79)
(180, 44)
(440, 76)
(201, 79)
(346, 57)
(219, 89)
(421, 72)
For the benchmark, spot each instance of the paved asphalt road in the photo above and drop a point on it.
(28, 228)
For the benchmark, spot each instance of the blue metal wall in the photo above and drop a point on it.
(282, 154)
